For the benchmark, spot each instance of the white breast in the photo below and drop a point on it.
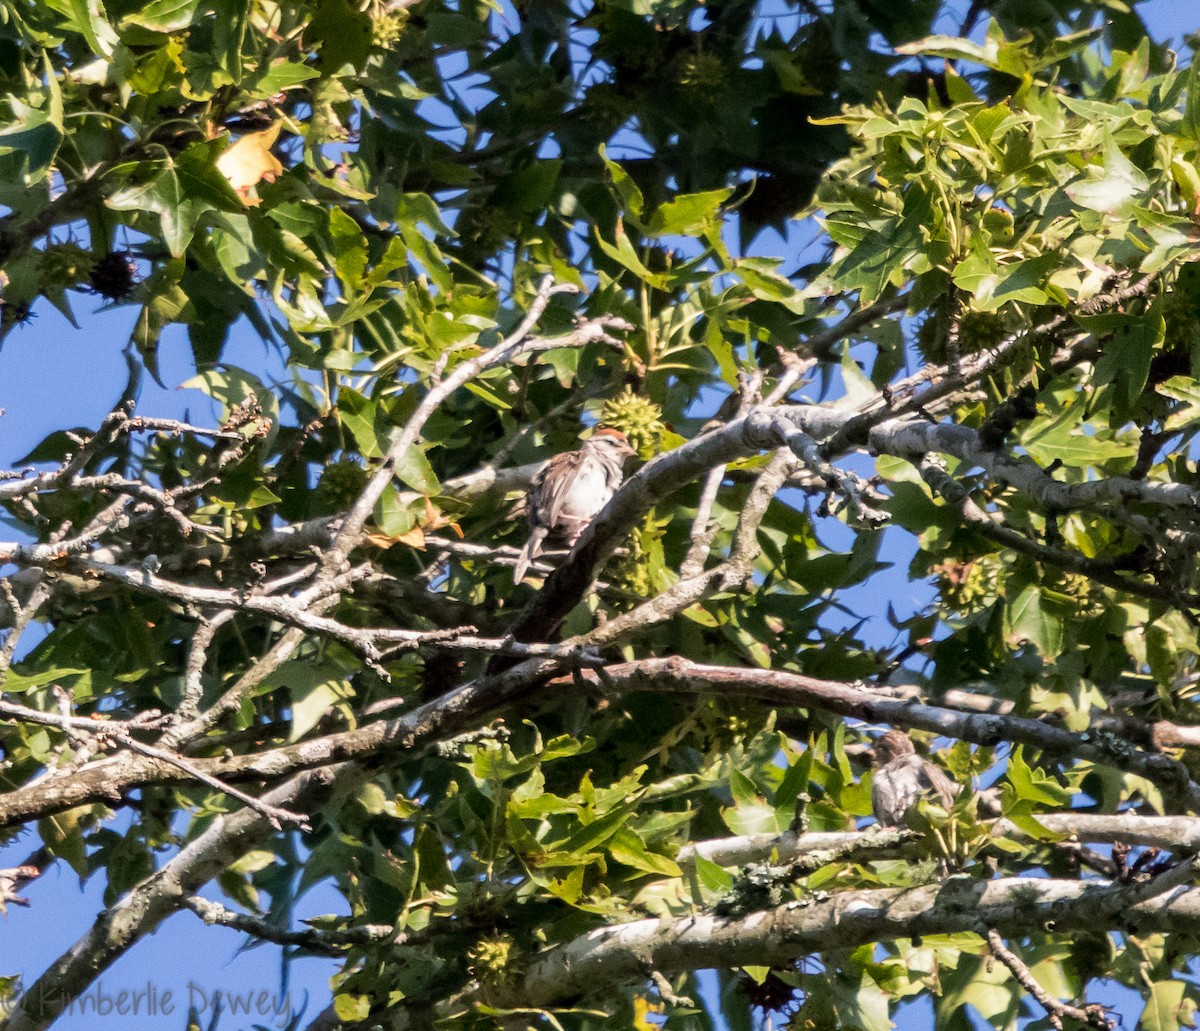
(588, 494)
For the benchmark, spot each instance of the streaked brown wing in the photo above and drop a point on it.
(935, 782)
(555, 487)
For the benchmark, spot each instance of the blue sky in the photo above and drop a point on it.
(54, 376)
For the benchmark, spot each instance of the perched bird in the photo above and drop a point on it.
(569, 491)
(902, 777)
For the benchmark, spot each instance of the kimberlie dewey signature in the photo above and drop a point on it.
(158, 1000)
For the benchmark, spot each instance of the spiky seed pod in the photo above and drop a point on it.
(114, 276)
(773, 995)
(932, 336)
(977, 331)
(639, 418)
(340, 484)
(641, 571)
(388, 29)
(969, 587)
(14, 313)
(630, 573)
(493, 959)
(701, 76)
(980, 330)
(64, 265)
(1087, 598)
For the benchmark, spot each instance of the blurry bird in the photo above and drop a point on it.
(569, 491)
(902, 777)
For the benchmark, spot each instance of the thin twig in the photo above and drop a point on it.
(329, 943)
(703, 530)
(117, 732)
(1092, 1015)
(517, 342)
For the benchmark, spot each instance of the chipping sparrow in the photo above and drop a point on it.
(569, 491)
(902, 777)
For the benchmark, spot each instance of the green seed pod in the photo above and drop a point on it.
(492, 959)
(387, 29)
(701, 76)
(639, 418)
(64, 265)
(340, 484)
(969, 587)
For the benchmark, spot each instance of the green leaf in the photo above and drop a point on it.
(988, 988)
(626, 847)
(624, 254)
(712, 877)
(393, 516)
(689, 213)
(164, 15)
(360, 416)
(858, 388)
(593, 835)
(880, 256)
(1110, 187)
(763, 281)
(1186, 390)
(1063, 440)
(626, 189)
(414, 471)
(63, 835)
(200, 181)
(1024, 784)
(1125, 360)
(953, 49)
(859, 1002)
(349, 250)
(314, 687)
(343, 32)
(281, 77)
(529, 187)
(977, 273)
(755, 818)
(231, 387)
(1030, 620)
(428, 256)
(1191, 107)
(33, 139)
(1022, 281)
(15, 682)
(88, 18)
(793, 784)
(252, 861)
(178, 206)
(1166, 1008)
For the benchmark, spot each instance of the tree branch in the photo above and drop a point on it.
(1180, 834)
(1091, 1016)
(775, 687)
(509, 348)
(616, 955)
(327, 943)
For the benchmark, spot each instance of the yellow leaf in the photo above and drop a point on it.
(414, 538)
(642, 1008)
(435, 520)
(250, 161)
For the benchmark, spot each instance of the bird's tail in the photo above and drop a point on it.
(533, 548)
